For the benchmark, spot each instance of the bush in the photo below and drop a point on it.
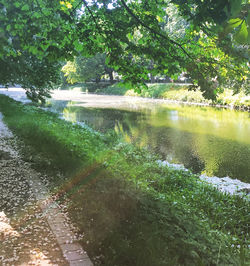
(228, 98)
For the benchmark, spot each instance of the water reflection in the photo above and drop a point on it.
(214, 141)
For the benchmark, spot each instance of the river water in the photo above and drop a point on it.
(206, 140)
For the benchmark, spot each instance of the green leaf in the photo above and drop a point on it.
(160, 19)
(25, 8)
(107, 60)
(130, 36)
(46, 12)
(235, 22)
(17, 4)
(44, 47)
(78, 45)
(18, 26)
(37, 15)
(33, 49)
(242, 35)
(232, 24)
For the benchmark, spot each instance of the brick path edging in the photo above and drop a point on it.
(72, 251)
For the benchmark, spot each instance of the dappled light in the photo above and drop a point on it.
(6, 230)
(26, 240)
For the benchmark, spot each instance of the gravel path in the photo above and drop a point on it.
(33, 231)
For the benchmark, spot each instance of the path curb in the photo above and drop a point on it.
(72, 250)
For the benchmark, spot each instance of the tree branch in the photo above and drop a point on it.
(152, 30)
(92, 15)
(75, 8)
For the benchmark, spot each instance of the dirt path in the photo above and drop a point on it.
(32, 229)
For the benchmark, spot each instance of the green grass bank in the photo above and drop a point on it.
(182, 94)
(128, 209)
(171, 92)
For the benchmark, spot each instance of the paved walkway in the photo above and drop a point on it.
(33, 231)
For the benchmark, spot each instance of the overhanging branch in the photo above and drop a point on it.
(130, 12)
(92, 15)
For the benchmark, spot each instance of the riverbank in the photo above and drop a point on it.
(124, 202)
(224, 184)
(177, 93)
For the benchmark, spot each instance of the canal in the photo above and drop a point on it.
(208, 140)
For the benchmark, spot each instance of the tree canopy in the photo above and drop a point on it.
(84, 69)
(35, 36)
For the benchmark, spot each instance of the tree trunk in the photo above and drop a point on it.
(111, 77)
(152, 78)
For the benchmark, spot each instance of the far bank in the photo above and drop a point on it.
(173, 92)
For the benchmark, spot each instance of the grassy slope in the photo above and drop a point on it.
(131, 210)
(180, 93)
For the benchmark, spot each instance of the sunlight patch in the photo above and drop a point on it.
(6, 230)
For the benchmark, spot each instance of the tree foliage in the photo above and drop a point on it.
(47, 32)
(83, 69)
